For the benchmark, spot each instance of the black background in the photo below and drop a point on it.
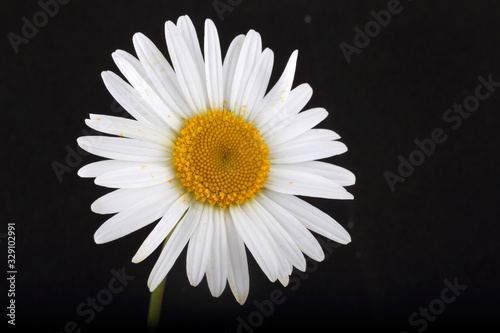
(441, 223)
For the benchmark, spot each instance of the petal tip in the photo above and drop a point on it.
(98, 239)
(346, 239)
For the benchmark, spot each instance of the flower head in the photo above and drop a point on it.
(216, 159)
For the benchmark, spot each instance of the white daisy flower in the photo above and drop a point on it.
(216, 159)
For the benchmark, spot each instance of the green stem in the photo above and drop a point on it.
(155, 306)
(157, 294)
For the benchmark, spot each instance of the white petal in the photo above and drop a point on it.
(297, 99)
(137, 176)
(121, 199)
(186, 27)
(169, 221)
(284, 280)
(174, 246)
(250, 51)
(237, 271)
(129, 128)
(141, 82)
(153, 59)
(257, 82)
(161, 74)
(217, 264)
(257, 241)
(260, 219)
(285, 178)
(271, 105)
(132, 61)
(333, 172)
(300, 235)
(229, 64)
(297, 125)
(124, 149)
(213, 67)
(282, 239)
(134, 217)
(312, 218)
(198, 252)
(314, 134)
(188, 75)
(129, 99)
(95, 169)
(292, 152)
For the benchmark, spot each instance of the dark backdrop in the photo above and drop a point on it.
(438, 227)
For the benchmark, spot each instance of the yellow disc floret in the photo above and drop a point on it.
(221, 158)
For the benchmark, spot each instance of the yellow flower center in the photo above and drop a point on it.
(221, 158)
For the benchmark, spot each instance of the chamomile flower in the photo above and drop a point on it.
(217, 158)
